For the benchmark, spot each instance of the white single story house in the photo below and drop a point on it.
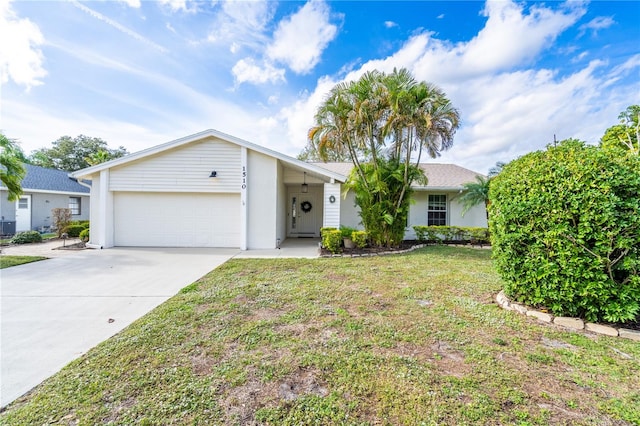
(215, 190)
(42, 191)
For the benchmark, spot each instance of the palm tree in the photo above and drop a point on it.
(475, 193)
(361, 117)
(11, 169)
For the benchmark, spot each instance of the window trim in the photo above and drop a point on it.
(78, 204)
(432, 209)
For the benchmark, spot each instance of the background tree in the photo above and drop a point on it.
(383, 123)
(626, 134)
(71, 154)
(310, 154)
(11, 169)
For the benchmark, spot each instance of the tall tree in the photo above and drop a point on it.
(71, 154)
(11, 169)
(626, 134)
(383, 123)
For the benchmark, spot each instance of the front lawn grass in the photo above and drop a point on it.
(398, 340)
(9, 261)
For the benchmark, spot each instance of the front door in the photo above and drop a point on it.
(23, 213)
(304, 211)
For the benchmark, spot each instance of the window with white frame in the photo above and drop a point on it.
(74, 205)
(437, 210)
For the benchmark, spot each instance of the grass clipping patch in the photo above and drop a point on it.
(389, 340)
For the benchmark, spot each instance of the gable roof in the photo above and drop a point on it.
(298, 164)
(50, 180)
(441, 176)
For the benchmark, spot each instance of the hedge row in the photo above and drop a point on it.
(440, 234)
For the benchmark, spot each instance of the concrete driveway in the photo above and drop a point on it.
(55, 310)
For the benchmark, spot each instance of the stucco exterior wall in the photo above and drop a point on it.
(262, 200)
(41, 206)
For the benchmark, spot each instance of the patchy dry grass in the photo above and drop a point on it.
(9, 261)
(409, 339)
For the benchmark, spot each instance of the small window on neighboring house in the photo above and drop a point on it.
(74, 205)
(437, 210)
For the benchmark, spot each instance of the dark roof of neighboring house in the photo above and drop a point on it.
(43, 179)
(440, 176)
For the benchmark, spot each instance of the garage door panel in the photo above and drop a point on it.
(177, 220)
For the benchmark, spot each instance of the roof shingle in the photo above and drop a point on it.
(40, 178)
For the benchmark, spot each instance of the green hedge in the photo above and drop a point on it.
(331, 240)
(440, 234)
(359, 238)
(565, 229)
(26, 237)
(84, 235)
(73, 231)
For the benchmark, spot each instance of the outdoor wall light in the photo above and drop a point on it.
(213, 174)
(305, 187)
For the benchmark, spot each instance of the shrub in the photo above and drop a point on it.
(27, 237)
(359, 238)
(84, 235)
(325, 229)
(331, 240)
(565, 231)
(61, 219)
(346, 231)
(74, 231)
(83, 223)
(440, 234)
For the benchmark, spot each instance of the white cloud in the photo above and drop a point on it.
(597, 24)
(118, 26)
(301, 38)
(390, 24)
(174, 5)
(507, 109)
(132, 3)
(242, 23)
(21, 59)
(246, 70)
(441, 16)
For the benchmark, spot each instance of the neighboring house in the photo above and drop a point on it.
(43, 190)
(214, 190)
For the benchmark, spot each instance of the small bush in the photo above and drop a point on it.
(83, 223)
(331, 240)
(325, 229)
(359, 238)
(84, 235)
(27, 237)
(565, 231)
(73, 231)
(347, 231)
(61, 219)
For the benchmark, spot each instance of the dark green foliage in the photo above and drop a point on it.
(27, 237)
(440, 234)
(359, 238)
(74, 231)
(565, 229)
(346, 231)
(384, 199)
(73, 154)
(331, 240)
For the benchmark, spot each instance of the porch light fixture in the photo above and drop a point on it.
(213, 174)
(305, 187)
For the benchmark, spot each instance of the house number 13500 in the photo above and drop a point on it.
(244, 177)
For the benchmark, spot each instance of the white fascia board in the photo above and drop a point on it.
(439, 188)
(199, 136)
(45, 191)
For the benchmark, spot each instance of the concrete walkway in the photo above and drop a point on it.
(55, 310)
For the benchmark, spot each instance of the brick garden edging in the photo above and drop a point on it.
(566, 322)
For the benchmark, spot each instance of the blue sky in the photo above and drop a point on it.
(140, 73)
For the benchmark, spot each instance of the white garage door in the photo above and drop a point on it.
(176, 220)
